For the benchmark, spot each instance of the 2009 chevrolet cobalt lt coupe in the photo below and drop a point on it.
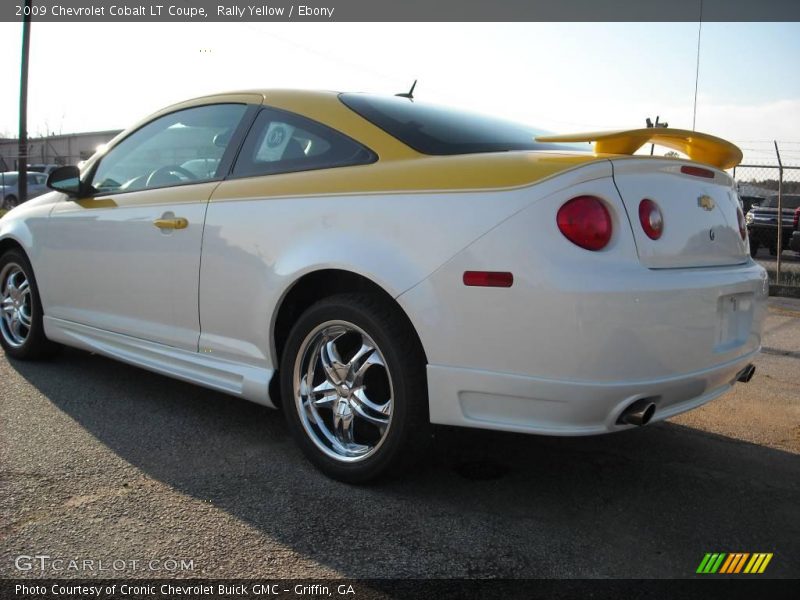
(375, 264)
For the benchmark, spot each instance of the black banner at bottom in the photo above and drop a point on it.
(368, 589)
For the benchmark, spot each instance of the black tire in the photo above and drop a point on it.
(753, 248)
(14, 265)
(10, 202)
(773, 251)
(399, 358)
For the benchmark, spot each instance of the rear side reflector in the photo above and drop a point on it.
(585, 222)
(651, 219)
(488, 278)
(697, 171)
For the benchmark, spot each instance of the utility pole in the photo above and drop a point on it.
(22, 166)
(779, 241)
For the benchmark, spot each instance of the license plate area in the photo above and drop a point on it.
(734, 321)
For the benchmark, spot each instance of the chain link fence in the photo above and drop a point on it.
(764, 188)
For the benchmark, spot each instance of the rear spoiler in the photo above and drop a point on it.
(701, 147)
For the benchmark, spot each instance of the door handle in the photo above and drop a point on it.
(175, 223)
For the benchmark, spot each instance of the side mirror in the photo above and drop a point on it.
(66, 180)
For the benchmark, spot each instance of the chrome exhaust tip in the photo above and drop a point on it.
(638, 413)
(747, 373)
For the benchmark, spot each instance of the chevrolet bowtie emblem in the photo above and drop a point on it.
(706, 202)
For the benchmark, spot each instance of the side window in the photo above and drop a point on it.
(182, 147)
(282, 142)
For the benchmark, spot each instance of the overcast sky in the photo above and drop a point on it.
(562, 77)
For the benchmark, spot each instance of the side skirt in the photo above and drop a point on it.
(236, 379)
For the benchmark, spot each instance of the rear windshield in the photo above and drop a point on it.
(432, 129)
(787, 203)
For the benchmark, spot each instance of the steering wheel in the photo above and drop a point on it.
(166, 175)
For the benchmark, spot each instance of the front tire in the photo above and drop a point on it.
(354, 388)
(21, 329)
(10, 202)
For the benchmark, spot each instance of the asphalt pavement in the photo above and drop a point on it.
(100, 461)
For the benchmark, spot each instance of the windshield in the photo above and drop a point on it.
(432, 129)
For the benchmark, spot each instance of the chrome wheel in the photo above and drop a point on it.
(343, 391)
(16, 305)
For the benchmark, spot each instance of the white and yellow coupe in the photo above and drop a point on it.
(374, 264)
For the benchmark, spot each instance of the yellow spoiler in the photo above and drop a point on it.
(697, 146)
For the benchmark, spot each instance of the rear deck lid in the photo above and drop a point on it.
(699, 208)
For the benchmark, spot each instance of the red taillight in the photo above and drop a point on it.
(797, 218)
(697, 172)
(488, 278)
(651, 219)
(585, 222)
(743, 223)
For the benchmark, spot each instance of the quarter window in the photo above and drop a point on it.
(182, 147)
(282, 142)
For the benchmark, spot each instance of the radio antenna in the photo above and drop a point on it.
(410, 93)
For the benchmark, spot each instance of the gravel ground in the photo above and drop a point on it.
(102, 461)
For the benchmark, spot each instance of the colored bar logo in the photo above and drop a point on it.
(734, 563)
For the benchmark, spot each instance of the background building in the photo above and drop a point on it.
(66, 149)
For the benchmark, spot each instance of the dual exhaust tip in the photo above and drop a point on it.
(747, 373)
(641, 411)
(638, 413)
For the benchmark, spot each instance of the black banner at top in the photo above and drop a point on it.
(400, 10)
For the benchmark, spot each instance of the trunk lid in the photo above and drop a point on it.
(701, 226)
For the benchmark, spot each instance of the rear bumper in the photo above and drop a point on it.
(568, 362)
(501, 401)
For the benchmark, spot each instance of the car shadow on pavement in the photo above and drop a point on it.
(644, 503)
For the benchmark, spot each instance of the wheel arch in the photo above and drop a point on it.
(312, 287)
(9, 243)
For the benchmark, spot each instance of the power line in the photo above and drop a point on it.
(697, 68)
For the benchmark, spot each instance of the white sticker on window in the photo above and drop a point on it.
(274, 142)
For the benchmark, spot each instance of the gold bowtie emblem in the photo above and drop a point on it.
(706, 202)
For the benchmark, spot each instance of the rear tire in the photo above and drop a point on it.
(753, 248)
(21, 329)
(354, 388)
(10, 202)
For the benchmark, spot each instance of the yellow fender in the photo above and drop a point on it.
(697, 146)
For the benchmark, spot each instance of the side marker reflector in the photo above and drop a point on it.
(488, 278)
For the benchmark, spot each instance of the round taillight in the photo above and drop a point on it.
(742, 223)
(585, 222)
(651, 219)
